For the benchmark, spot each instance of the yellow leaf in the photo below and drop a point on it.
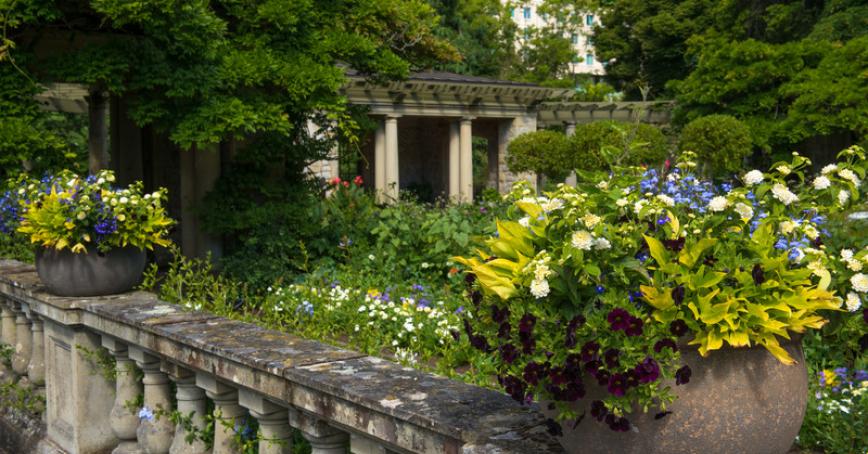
(771, 344)
(660, 300)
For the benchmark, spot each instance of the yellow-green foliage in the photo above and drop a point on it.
(67, 211)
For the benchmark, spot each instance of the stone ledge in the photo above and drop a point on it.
(403, 407)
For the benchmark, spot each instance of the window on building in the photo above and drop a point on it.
(574, 38)
(527, 13)
(589, 59)
(589, 19)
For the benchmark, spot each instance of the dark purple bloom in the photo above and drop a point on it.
(527, 323)
(603, 376)
(619, 319)
(682, 376)
(678, 295)
(674, 245)
(619, 424)
(476, 297)
(589, 350)
(665, 343)
(532, 372)
(678, 328)
(508, 353)
(514, 386)
(865, 315)
(617, 385)
(570, 339)
(634, 327)
(455, 334)
(647, 371)
(598, 410)
(469, 278)
(503, 330)
(758, 275)
(478, 342)
(611, 357)
(499, 315)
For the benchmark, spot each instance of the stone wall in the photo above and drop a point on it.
(339, 399)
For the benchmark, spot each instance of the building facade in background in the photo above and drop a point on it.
(526, 15)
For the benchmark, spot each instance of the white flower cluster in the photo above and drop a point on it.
(718, 203)
(753, 177)
(539, 286)
(586, 241)
(783, 193)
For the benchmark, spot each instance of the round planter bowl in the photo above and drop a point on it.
(92, 273)
(737, 401)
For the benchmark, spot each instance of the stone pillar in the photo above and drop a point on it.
(465, 160)
(154, 432)
(227, 413)
(509, 129)
(393, 179)
(323, 438)
(273, 423)
(97, 131)
(454, 162)
(23, 346)
(124, 420)
(79, 398)
(8, 316)
(570, 130)
(191, 404)
(380, 160)
(36, 368)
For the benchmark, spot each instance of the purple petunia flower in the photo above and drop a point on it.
(619, 319)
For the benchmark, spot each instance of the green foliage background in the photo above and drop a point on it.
(721, 143)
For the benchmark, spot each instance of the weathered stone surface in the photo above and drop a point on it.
(393, 407)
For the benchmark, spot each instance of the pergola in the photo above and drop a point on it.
(426, 125)
(566, 113)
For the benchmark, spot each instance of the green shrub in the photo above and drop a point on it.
(721, 143)
(543, 152)
(602, 144)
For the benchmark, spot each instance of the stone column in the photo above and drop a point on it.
(228, 414)
(97, 135)
(380, 160)
(154, 432)
(509, 129)
(570, 130)
(273, 423)
(23, 346)
(124, 420)
(454, 162)
(191, 404)
(8, 316)
(36, 368)
(323, 438)
(465, 160)
(393, 179)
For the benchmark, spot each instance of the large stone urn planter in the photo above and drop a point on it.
(92, 273)
(737, 401)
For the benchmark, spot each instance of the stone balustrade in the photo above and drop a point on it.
(211, 368)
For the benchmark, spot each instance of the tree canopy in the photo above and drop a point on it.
(203, 70)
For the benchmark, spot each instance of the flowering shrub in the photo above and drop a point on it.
(66, 211)
(414, 323)
(838, 412)
(607, 281)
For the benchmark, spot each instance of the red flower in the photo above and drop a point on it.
(335, 181)
(346, 184)
(358, 180)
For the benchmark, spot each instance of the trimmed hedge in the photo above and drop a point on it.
(721, 143)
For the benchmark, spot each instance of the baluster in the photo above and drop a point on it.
(229, 416)
(323, 439)
(8, 322)
(154, 432)
(191, 403)
(36, 368)
(124, 418)
(23, 346)
(364, 445)
(273, 423)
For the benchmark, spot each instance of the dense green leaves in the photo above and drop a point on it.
(720, 142)
(542, 152)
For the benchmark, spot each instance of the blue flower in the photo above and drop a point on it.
(600, 289)
(146, 414)
(305, 307)
(459, 310)
(106, 226)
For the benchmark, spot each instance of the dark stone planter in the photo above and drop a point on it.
(738, 401)
(90, 274)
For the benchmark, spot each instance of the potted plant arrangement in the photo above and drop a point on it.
(653, 311)
(91, 235)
